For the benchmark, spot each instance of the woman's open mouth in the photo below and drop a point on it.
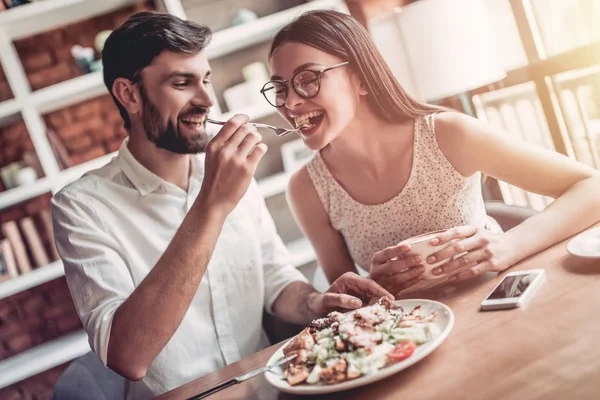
(309, 122)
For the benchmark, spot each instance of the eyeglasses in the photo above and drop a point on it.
(306, 84)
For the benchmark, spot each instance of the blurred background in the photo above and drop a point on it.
(531, 67)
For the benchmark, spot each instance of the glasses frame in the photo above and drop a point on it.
(286, 83)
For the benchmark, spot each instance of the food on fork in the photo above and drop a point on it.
(340, 347)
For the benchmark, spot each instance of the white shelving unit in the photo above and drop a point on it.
(34, 18)
(73, 91)
(31, 279)
(8, 108)
(263, 29)
(50, 184)
(43, 357)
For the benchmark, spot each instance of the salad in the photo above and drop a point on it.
(346, 346)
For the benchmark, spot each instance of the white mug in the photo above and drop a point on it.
(420, 245)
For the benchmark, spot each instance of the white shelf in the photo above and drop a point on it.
(69, 92)
(19, 194)
(274, 184)
(9, 108)
(73, 173)
(301, 252)
(22, 193)
(261, 30)
(43, 357)
(31, 279)
(33, 18)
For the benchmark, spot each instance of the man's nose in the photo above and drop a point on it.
(204, 96)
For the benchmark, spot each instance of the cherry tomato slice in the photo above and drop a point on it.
(402, 351)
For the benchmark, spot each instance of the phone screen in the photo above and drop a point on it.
(512, 286)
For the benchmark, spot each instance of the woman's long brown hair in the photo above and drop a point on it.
(342, 36)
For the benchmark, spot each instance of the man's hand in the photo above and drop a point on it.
(231, 160)
(350, 291)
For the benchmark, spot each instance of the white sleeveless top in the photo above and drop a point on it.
(435, 197)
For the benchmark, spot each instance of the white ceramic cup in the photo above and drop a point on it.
(420, 245)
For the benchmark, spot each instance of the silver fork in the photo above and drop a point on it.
(278, 131)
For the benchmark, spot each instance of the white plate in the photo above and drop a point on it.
(586, 244)
(444, 321)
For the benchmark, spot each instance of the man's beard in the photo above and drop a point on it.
(168, 137)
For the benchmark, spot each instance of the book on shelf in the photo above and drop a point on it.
(10, 230)
(8, 265)
(34, 242)
(46, 219)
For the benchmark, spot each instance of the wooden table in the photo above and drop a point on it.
(548, 350)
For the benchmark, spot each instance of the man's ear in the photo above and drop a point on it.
(125, 91)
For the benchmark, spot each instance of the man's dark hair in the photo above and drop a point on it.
(138, 41)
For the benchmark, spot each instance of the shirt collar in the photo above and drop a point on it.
(144, 180)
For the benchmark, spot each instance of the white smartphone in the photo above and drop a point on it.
(514, 290)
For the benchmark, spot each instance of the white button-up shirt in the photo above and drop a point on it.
(112, 226)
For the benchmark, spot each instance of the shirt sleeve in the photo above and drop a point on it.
(97, 275)
(277, 266)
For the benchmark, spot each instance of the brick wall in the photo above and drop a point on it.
(35, 316)
(5, 92)
(28, 319)
(14, 141)
(88, 130)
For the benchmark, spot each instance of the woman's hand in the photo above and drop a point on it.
(395, 270)
(483, 251)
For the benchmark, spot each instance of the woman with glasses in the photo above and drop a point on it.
(388, 167)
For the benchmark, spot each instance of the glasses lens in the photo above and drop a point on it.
(275, 93)
(307, 83)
